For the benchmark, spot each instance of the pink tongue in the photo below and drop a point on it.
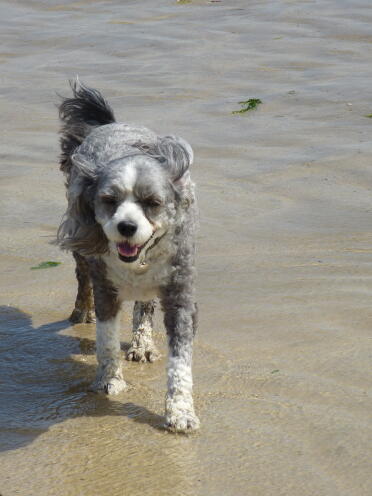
(127, 250)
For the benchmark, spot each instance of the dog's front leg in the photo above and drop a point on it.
(179, 319)
(109, 377)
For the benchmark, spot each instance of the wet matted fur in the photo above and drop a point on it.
(130, 224)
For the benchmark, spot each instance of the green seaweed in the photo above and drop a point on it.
(274, 371)
(46, 265)
(250, 104)
(369, 116)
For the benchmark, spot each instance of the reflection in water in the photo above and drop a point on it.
(42, 389)
(41, 385)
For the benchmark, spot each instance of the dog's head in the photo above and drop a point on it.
(129, 203)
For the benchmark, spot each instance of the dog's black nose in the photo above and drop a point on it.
(127, 228)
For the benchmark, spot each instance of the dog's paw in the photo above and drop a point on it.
(108, 385)
(180, 416)
(142, 354)
(185, 422)
(79, 316)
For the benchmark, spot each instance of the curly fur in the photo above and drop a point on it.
(131, 220)
(80, 114)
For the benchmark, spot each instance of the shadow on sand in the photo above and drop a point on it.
(40, 384)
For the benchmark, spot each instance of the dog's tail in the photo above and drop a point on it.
(79, 115)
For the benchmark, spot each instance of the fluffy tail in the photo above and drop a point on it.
(79, 115)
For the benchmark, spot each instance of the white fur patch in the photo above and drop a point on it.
(128, 177)
(108, 339)
(131, 281)
(179, 375)
(109, 374)
(129, 210)
(179, 405)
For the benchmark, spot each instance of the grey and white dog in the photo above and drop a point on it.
(130, 225)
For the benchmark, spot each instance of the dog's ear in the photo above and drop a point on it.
(176, 155)
(81, 190)
(80, 231)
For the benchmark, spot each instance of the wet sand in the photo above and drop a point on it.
(282, 362)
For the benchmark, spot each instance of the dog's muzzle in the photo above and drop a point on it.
(130, 253)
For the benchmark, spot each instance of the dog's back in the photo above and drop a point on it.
(89, 123)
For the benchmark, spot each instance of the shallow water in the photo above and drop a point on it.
(282, 359)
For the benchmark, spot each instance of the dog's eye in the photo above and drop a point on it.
(109, 200)
(152, 202)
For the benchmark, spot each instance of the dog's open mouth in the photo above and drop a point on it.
(127, 252)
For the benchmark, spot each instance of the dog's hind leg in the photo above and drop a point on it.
(84, 304)
(142, 347)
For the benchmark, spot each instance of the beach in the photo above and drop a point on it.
(282, 357)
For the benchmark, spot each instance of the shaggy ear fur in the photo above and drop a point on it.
(80, 231)
(174, 154)
(177, 155)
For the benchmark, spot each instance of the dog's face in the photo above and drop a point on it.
(124, 205)
(132, 204)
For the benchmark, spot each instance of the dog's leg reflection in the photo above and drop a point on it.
(84, 304)
(142, 347)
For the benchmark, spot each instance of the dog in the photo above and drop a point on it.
(130, 224)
